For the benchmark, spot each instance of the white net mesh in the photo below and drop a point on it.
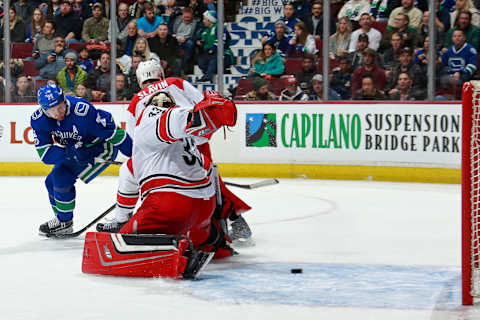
(475, 191)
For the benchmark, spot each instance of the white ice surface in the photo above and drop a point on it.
(369, 250)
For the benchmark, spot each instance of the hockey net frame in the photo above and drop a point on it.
(470, 192)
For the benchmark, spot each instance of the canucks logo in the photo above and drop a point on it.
(261, 130)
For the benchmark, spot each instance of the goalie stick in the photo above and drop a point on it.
(79, 232)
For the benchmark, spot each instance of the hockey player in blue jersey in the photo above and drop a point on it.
(77, 139)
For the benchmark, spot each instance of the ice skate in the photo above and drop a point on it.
(55, 226)
(113, 226)
(240, 233)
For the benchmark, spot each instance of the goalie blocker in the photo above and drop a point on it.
(147, 255)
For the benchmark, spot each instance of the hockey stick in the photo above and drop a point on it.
(255, 185)
(79, 232)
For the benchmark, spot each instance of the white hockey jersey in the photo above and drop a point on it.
(165, 158)
(182, 91)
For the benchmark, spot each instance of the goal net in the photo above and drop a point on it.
(470, 192)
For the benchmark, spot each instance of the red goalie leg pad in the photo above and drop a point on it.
(134, 255)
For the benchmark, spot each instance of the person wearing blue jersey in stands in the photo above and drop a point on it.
(77, 139)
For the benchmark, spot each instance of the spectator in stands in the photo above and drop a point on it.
(421, 58)
(368, 91)
(170, 12)
(391, 55)
(131, 77)
(183, 30)
(24, 9)
(84, 60)
(378, 10)
(68, 24)
(279, 37)
(302, 8)
(128, 42)
(123, 93)
(442, 16)
(353, 9)
(463, 23)
(207, 61)
(71, 75)
(368, 66)
(314, 21)
(405, 65)
(423, 30)
(141, 47)
(137, 9)
(98, 81)
(461, 5)
(342, 79)
(308, 70)
(267, 63)
(122, 21)
(339, 42)
(45, 41)
(292, 91)
(50, 64)
(52, 9)
(460, 60)
(34, 28)
(408, 35)
(82, 9)
(289, 17)
(404, 90)
(95, 29)
(414, 14)
(17, 26)
(82, 91)
(374, 36)
(356, 57)
(317, 88)
(149, 23)
(167, 49)
(23, 91)
(302, 41)
(260, 91)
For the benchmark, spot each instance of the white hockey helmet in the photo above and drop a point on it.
(149, 70)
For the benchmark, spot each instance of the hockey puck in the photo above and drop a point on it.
(298, 270)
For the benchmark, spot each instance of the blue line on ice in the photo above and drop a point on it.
(333, 285)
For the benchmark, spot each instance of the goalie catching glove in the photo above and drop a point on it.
(213, 112)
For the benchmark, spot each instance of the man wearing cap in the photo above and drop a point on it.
(279, 37)
(95, 28)
(368, 66)
(260, 91)
(71, 75)
(317, 87)
(207, 61)
(67, 23)
(374, 36)
(356, 57)
(292, 91)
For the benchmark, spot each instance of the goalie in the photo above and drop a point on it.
(177, 189)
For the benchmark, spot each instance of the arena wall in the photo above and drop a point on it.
(415, 142)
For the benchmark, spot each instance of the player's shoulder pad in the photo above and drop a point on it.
(37, 114)
(175, 81)
(79, 106)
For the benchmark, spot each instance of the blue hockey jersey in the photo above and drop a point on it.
(463, 60)
(84, 127)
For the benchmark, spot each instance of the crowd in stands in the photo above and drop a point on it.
(377, 49)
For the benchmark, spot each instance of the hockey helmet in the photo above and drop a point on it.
(149, 70)
(50, 95)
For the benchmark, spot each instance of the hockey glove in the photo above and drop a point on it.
(210, 114)
(83, 154)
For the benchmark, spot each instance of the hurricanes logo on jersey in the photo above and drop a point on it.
(261, 130)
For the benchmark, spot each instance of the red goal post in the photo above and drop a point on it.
(470, 192)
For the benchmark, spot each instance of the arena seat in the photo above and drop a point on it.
(293, 65)
(29, 68)
(245, 85)
(40, 82)
(21, 50)
(380, 25)
(75, 46)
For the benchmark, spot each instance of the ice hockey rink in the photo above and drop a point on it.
(368, 250)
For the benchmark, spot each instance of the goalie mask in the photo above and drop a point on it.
(162, 99)
(149, 70)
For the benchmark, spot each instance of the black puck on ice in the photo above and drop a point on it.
(297, 270)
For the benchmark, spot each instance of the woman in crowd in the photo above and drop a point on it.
(142, 48)
(35, 26)
(302, 41)
(267, 62)
(465, 5)
(17, 27)
(51, 9)
(340, 41)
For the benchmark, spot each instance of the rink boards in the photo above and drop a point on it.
(415, 142)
